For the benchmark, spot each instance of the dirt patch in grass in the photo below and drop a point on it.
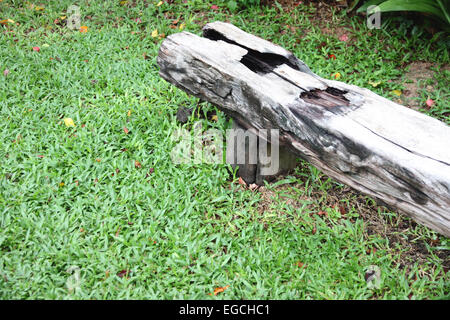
(418, 72)
(397, 228)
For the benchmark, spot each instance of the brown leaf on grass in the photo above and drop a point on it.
(434, 242)
(118, 231)
(150, 171)
(300, 264)
(242, 182)
(125, 129)
(6, 21)
(319, 213)
(219, 290)
(137, 164)
(124, 273)
(342, 209)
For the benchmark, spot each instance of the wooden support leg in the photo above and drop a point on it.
(254, 170)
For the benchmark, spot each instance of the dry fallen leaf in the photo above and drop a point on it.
(219, 289)
(344, 37)
(242, 182)
(6, 21)
(154, 33)
(125, 130)
(337, 75)
(123, 273)
(137, 164)
(83, 29)
(374, 84)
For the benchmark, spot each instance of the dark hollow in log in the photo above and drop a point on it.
(391, 153)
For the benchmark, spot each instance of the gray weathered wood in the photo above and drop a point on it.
(359, 138)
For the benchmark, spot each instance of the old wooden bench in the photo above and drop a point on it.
(382, 149)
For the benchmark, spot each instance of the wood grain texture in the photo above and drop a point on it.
(385, 150)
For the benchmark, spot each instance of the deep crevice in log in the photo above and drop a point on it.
(329, 98)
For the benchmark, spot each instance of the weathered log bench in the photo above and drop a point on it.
(382, 149)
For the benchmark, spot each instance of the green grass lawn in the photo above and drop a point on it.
(108, 209)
